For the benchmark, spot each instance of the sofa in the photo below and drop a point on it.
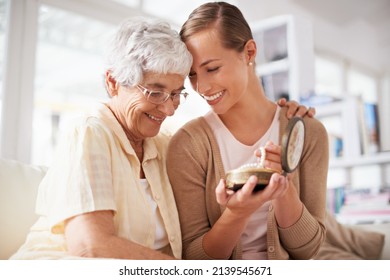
(18, 189)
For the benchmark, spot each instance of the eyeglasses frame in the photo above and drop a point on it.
(147, 92)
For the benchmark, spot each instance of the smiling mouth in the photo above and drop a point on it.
(212, 97)
(159, 120)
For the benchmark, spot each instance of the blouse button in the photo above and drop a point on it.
(271, 249)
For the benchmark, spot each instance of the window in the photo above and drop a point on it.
(363, 85)
(131, 3)
(3, 8)
(69, 74)
(328, 76)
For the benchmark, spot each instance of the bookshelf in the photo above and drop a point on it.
(344, 119)
(285, 65)
(285, 60)
(351, 121)
(378, 158)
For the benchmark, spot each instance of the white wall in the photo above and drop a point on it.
(357, 40)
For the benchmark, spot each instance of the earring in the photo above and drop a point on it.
(250, 63)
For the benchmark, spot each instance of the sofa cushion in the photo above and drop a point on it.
(350, 243)
(18, 189)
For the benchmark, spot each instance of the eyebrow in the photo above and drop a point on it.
(162, 86)
(208, 61)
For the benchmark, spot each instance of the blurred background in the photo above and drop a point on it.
(333, 55)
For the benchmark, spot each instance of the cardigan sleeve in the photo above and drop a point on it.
(187, 173)
(303, 239)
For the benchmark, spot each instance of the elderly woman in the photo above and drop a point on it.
(107, 195)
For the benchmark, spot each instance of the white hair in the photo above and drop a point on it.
(144, 45)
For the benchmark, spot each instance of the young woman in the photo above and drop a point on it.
(286, 220)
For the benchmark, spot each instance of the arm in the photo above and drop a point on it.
(288, 206)
(197, 210)
(299, 213)
(92, 235)
(310, 180)
(240, 205)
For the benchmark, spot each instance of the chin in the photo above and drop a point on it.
(152, 132)
(219, 110)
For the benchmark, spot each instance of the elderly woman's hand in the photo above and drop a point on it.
(295, 109)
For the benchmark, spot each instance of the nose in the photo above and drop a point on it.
(201, 87)
(167, 107)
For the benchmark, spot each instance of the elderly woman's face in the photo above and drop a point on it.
(139, 117)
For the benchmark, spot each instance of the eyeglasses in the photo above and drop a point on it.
(159, 97)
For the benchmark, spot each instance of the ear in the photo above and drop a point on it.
(111, 84)
(250, 50)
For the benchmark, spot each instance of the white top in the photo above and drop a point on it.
(161, 237)
(234, 154)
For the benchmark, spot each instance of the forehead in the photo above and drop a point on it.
(164, 81)
(205, 41)
(206, 45)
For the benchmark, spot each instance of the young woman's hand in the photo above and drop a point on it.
(241, 203)
(272, 156)
(244, 201)
(295, 109)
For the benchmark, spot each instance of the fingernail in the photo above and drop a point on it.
(253, 179)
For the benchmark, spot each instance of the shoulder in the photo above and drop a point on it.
(195, 128)
(86, 124)
(86, 133)
(195, 137)
(162, 140)
(197, 124)
(314, 128)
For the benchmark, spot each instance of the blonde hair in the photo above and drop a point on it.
(233, 29)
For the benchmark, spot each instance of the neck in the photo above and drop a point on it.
(135, 142)
(250, 119)
(138, 148)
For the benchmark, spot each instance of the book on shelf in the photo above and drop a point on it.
(369, 126)
(355, 121)
(367, 197)
(335, 199)
(364, 206)
(336, 145)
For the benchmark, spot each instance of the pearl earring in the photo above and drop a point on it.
(250, 63)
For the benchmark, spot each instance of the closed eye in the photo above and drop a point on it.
(213, 69)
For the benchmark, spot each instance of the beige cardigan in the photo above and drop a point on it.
(195, 168)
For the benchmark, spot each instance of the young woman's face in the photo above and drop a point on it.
(139, 117)
(220, 75)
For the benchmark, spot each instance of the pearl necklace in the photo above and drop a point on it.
(258, 164)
